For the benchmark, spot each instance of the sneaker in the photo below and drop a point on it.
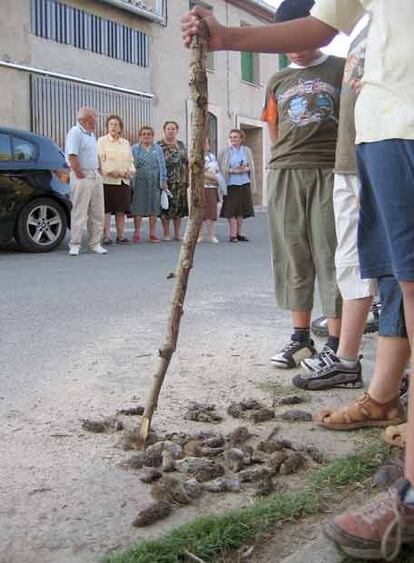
(214, 240)
(122, 240)
(404, 387)
(331, 373)
(166, 238)
(377, 530)
(98, 249)
(107, 241)
(153, 238)
(319, 326)
(319, 361)
(200, 239)
(74, 251)
(293, 353)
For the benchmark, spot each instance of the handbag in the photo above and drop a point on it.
(165, 203)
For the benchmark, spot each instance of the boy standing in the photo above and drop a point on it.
(301, 110)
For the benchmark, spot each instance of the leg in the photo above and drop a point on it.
(177, 227)
(323, 243)
(233, 228)
(210, 229)
(80, 194)
(166, 228)
(120, 225)
(301, 319)
(408, 294)
(96, 213)
(152, 219)
(293, 268)
(354, 318)
(239, 226)
(137, 227)
(107, 226)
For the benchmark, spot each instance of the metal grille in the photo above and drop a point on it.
(65, 24)
(55, 104)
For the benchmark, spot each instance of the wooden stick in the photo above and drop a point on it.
(199, 95)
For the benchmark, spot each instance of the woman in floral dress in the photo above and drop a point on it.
(176, 159)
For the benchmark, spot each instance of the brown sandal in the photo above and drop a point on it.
(362, 413)
(396, 435)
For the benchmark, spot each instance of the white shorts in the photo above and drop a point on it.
(346, 208)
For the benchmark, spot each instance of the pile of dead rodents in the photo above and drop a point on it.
(181, 467)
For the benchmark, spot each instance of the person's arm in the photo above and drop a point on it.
(163, 167)
(270, 115)
(75, 166)
(105, 170)
(287, 37)
(72, 149)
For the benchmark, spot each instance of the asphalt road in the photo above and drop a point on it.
(78, 337)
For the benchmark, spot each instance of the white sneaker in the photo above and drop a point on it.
(98, 249)
(213, 240)
(74, 251)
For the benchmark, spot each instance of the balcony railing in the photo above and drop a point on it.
(153, 10)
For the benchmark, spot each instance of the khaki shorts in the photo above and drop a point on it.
(348, 272)
(302, 229)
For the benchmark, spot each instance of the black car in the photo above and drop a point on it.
(34, 191)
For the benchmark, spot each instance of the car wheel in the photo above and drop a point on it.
(41, 225)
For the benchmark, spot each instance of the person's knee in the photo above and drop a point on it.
(407, 288)
(392, 319)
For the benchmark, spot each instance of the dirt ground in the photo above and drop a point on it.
(76, 503)
(64, 497)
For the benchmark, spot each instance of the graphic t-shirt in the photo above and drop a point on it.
(345, 162)
(304, 103)
(385, 108)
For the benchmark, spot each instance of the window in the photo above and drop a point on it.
(210, 56)
(250, 65)
(212, 131)
(283, 61)
(5, 148)
(23, 150)
(65, 24)
(62, 99)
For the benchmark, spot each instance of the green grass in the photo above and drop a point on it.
(212, 537)
(352, 468)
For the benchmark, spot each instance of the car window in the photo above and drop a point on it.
(5, 147)
(23, 150)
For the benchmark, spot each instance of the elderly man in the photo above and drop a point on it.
(86, 183)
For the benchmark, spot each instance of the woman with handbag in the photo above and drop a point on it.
(214, 189)
(176, 159)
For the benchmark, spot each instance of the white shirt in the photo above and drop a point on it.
(83, 144)
(385, 106)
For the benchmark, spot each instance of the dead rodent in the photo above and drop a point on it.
(152, 513)
(103, 425)
(292, 463)
(239, 436)
(209, 473)
(170, 490)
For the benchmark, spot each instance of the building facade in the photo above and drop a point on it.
(126, 57)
